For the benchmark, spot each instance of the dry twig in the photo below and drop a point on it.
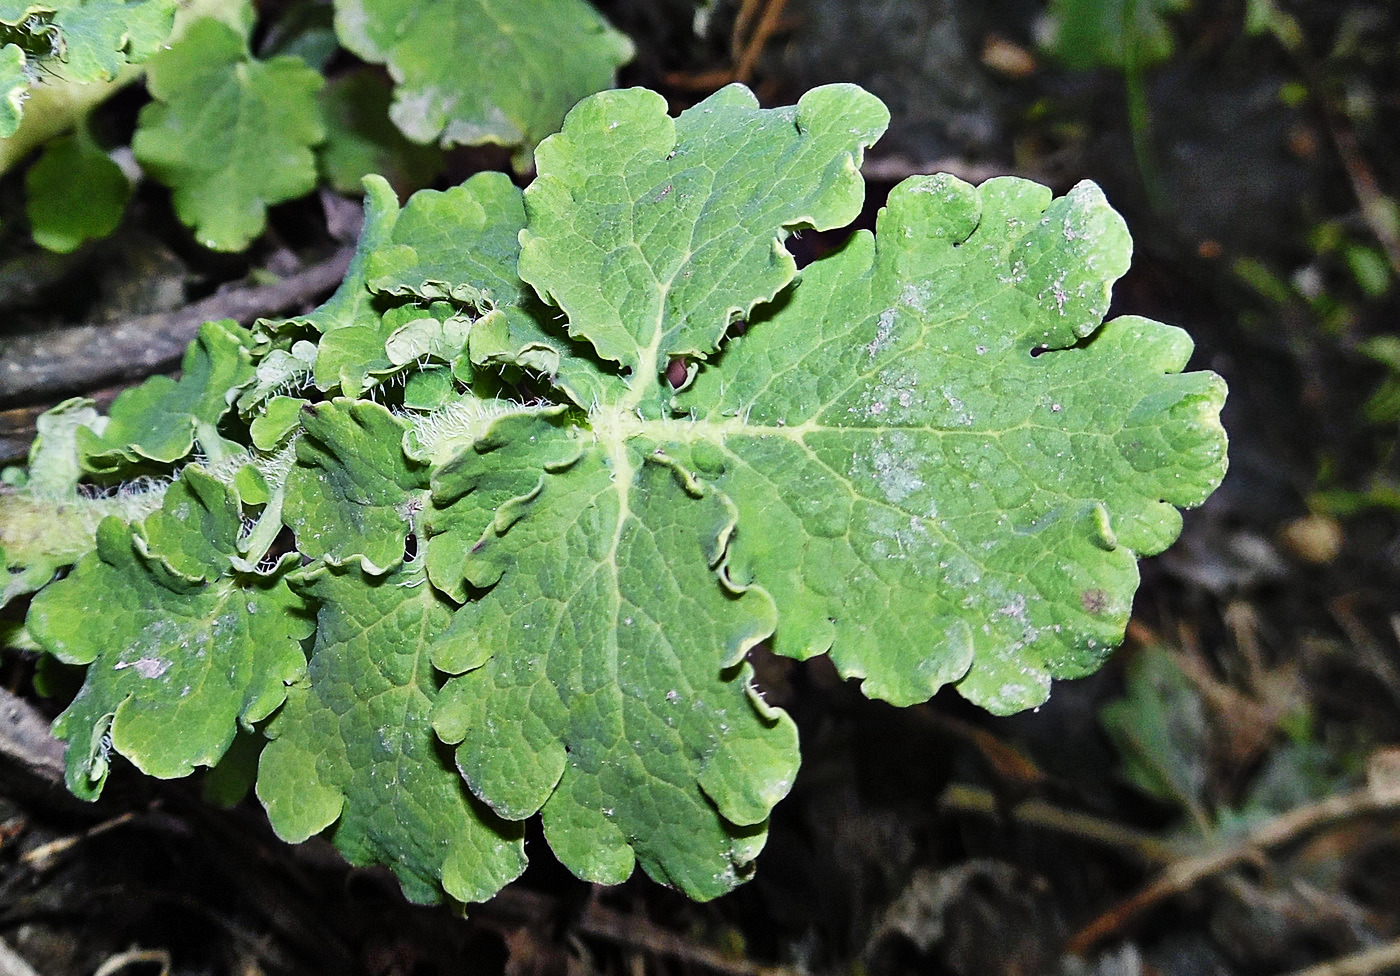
(1184, 874)
(961, 798)
(48, 366)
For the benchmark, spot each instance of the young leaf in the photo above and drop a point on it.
(463, 245)
(75, 194)
(472, 72)
(178, 653)
(352, 491)
(352, 746)
(158, 420)
(229, 135)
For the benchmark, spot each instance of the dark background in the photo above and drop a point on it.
(1220, 799)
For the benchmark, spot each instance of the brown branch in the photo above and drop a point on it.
(515, 906)
(767, 25)
(961, 798)
(25, 741)
(1183, 875)
(48, 366)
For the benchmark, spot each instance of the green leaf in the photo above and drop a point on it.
(352, 303)
(604, 683)
(360, 357)
(1087, 34)
(270, 429)
(158, 420)
(925, 455)
(228, 134)
(425, 256)
(653, 234)
(462, 245)
(353, 492)
(195, 533)
(1161, 733)
(174, 662)
(927, 498)
(76, 193)
(353, 746)
(14, 87)
(361, 139)
(96, 38)
(472, 72)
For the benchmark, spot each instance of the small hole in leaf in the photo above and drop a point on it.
(1038, 351)
(410, 547)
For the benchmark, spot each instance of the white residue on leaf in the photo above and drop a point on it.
(146, 667)
(1015, 608)
(915, 295)
(892, 466)
(884, 332)
(902, 540)
(960, 416)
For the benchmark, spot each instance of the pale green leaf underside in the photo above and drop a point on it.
(473, 71)
(228, 134)
(353, 746)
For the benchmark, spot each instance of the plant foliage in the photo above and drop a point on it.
(556, 461)
(231, 132)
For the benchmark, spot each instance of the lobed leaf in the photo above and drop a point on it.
(925, 455)
(653, 234)
(928, 497)
(445, 59)
(353, 493)
(603, 681)
(158, 420)
(353, 746)
(228, 134)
